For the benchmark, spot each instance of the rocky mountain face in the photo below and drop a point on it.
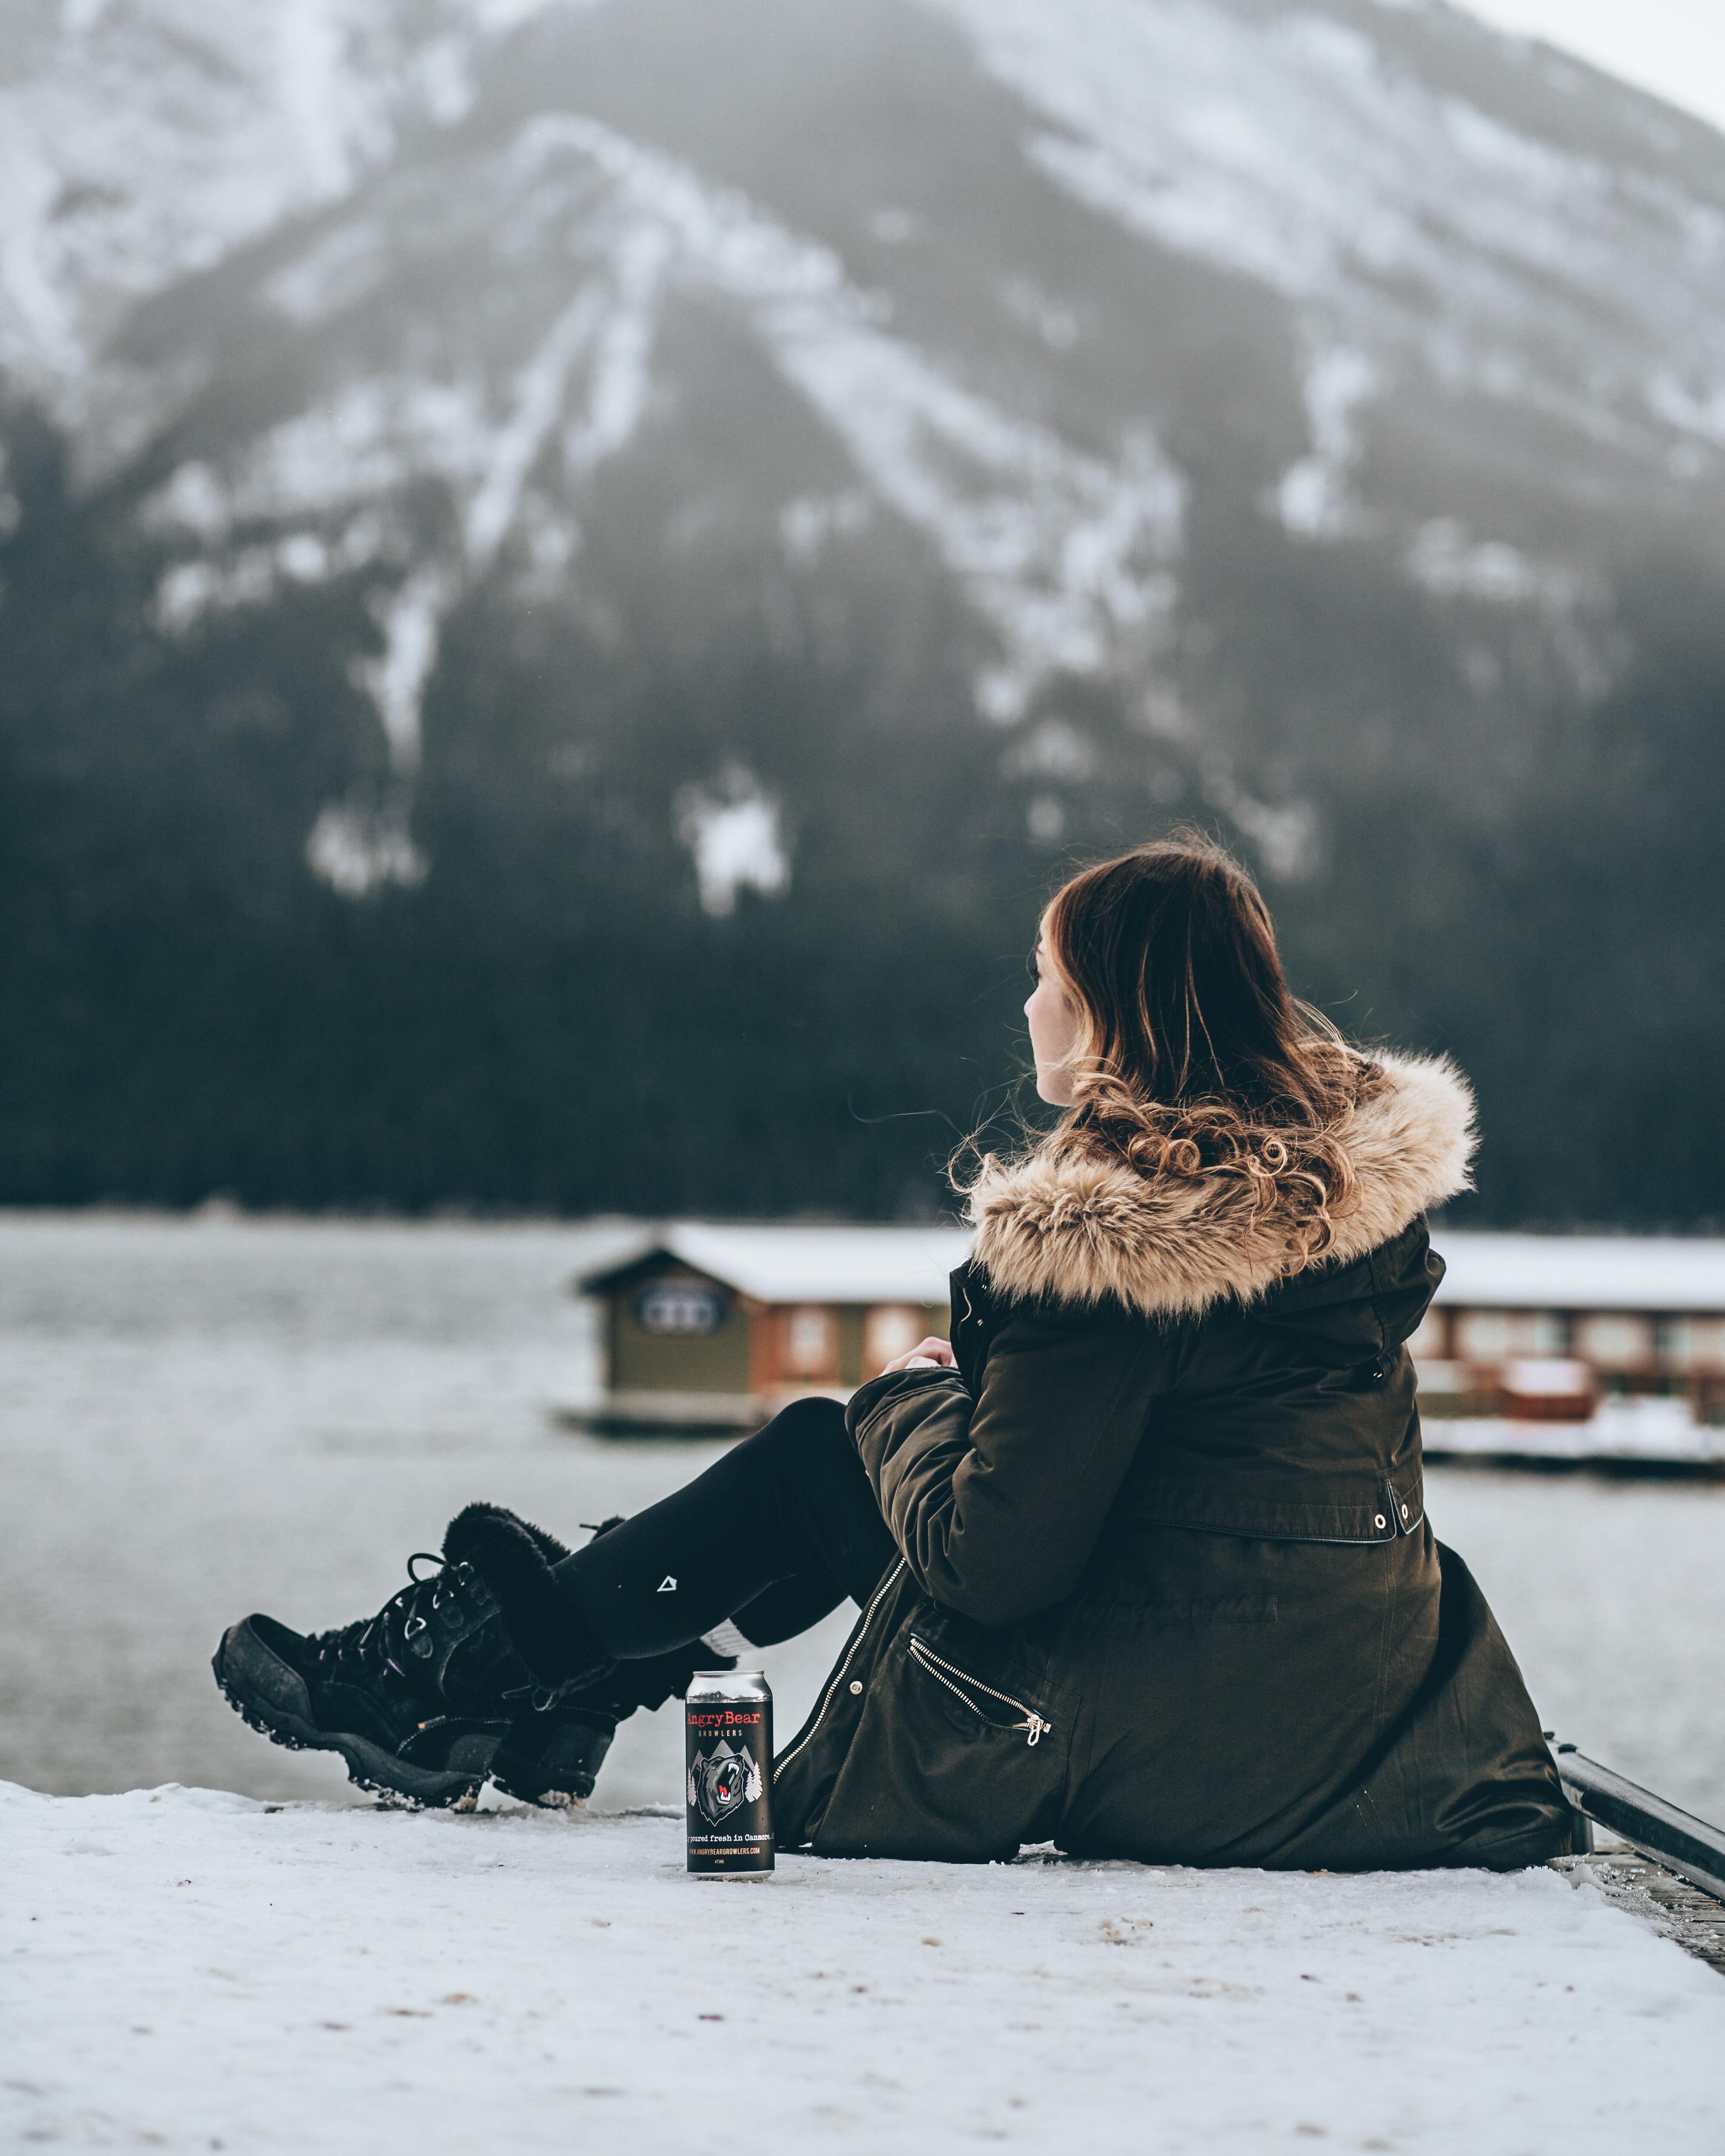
(570, 574)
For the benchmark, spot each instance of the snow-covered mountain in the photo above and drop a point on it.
(651, 430)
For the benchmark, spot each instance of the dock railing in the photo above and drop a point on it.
(1691, 1847)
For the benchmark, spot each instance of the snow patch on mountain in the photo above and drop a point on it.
(1396, 218)
(357, 849)
(1055, 750)
(336, 275)
(1065, 555)
(1696, 410)
(153, 140)
(735, 831)
(1069, 558)
(396, 679)
(811, 523)
(1314, 498)
(1447, 560)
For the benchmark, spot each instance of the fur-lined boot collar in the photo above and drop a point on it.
(1074, 1227)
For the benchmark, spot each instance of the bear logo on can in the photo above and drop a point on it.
(723, 1779)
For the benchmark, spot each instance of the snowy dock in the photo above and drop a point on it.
(193, 1970)
(1622, 1437)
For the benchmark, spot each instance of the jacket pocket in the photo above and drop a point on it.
(997, 1710)
(948, 1762)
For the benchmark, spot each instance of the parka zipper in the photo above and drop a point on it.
(843, 1669)
(956, 1680)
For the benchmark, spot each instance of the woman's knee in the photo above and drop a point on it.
(816, 1424)
(822, 1493)
(804, 1464)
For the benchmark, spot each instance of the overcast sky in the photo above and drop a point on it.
(1675, 48)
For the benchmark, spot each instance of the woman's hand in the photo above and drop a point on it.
(929, 1354)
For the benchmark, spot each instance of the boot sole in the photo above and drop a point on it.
(369, 1766)
(560, 1775)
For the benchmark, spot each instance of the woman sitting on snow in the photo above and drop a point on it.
(1141, 1556)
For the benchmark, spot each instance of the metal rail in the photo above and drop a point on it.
(1683, 1844)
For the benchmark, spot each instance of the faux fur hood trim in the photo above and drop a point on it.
(1071, 1228)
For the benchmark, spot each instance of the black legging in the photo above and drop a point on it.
(773, 1537)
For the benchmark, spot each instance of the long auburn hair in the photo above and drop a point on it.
(1193, 1056)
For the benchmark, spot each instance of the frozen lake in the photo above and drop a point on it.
(201, 1418)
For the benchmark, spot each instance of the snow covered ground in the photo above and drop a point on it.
(191, 1970)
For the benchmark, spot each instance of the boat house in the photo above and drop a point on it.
(1538, 1327)
(708, 1326)
(716, 1327)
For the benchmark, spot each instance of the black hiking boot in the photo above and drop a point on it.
(557, 1740)
(418, 1699)
(561, 1723)
(412, 1698)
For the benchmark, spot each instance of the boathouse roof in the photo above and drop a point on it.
(1670, 1273)
(844, 1264)
(800, 1264)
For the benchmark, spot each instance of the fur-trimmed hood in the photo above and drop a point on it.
(1071, 1227)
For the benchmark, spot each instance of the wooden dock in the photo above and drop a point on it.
(1670, 1905)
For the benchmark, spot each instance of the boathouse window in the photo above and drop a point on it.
(1499, 1336)
(680, 1306)
(1612, 1341)
(890, 1329)
(810, 1336)
(1695, 1346)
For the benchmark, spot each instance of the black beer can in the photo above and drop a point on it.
(727, 1729)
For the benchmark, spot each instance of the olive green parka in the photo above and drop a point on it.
(1166, 1586)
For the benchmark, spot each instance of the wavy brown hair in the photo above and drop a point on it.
(1193, 1056)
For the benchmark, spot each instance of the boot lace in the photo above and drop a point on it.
(542, 1697)
(369, 1642)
